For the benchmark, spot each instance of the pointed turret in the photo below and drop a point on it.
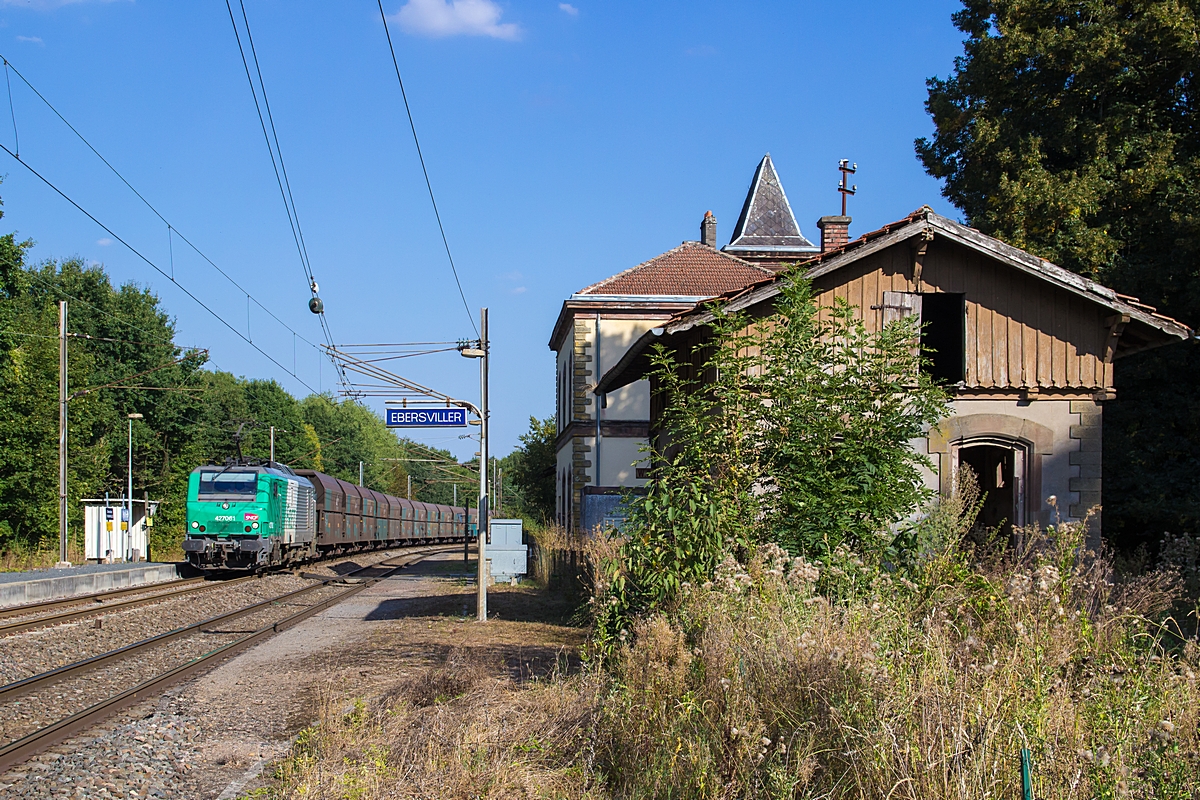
(767, 232)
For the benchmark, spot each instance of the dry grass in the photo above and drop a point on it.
(760, 685)
(928, 688)
(19, 558)
(496, 711)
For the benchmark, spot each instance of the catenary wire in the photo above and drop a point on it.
(280, 168)
(154, 266)
(420, 155)
(170, 228)
(11, 110)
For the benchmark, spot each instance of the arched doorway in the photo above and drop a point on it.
(1000, 467)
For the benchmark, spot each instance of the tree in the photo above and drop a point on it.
(794, 431)
(1068, 129)
(530, 468)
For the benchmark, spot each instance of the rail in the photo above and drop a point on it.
(22, 749)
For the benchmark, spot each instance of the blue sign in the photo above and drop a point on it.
(124, 515)
(108, 514)
(426, 417)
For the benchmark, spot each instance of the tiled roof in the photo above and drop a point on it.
(767, 222)
(689, 270)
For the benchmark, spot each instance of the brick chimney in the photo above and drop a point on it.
(708, 230)
(835, 232)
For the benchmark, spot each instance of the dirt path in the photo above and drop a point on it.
(250, 709)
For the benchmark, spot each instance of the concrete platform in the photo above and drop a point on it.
(18, 588)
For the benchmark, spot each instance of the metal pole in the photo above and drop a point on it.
(455, 503)
(481, 538)
(409, 487)
(1026, 774)
(129, 497)
(62, 434)
(272, 444)
(360, 473)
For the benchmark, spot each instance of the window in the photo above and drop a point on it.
(228, 484)
(943, 335)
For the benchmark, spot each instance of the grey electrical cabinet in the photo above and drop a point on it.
(506, 549)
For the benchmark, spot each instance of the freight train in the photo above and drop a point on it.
(252, 517)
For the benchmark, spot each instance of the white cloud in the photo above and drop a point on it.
(105, 242)
(515, 275)
(702, 51)
(30, 39)
(517, 290)
(570, 9)
(440, 18)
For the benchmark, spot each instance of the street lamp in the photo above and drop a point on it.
(127, 538)
(481, 352)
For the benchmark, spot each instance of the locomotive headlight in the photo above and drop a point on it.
(254, 525)
(224, 505)
(195, 524)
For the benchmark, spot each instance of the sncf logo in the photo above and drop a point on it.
(250, 517)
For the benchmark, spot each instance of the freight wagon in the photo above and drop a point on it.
(252, 517)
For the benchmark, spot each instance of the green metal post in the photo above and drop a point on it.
(1026, 774)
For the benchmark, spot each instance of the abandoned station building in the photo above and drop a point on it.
(1025, 347)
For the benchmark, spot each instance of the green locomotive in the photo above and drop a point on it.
(249, 517)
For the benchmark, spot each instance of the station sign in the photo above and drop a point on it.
(426, 417)
(108, 514)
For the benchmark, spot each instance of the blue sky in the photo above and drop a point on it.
(565, 142)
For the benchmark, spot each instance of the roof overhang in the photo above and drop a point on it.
(1149, 329)
(666, 306)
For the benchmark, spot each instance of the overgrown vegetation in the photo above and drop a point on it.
(794, 430)
(780, 678)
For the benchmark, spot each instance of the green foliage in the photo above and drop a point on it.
(529, 471)
(834, 438)
(1068, 129)
(794, 430)
(122, 359)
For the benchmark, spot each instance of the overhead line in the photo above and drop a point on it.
(156, 268)
(171, 228)
(285, 186)
(421, 156)
(307, 262)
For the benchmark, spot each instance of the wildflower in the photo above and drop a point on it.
(765, 742)
(733, 733)
(1167, 726)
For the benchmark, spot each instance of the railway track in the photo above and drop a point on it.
(96, 597)
(98, 606)
(52, 733)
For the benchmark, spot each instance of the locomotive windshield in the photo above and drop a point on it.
(228, 484)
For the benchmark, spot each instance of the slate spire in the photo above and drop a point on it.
(767, 229)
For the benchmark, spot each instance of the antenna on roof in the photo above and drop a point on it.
(846, 169)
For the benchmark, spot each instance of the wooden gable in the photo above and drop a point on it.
(1020, 331)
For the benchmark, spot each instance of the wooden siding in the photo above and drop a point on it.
(1021, 332)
